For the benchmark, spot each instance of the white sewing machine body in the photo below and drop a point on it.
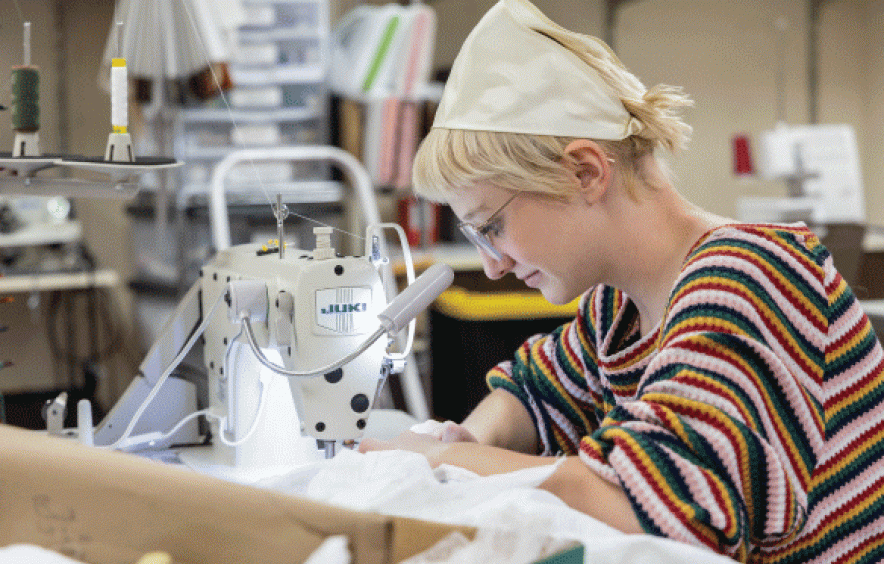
(316, 309)
(296, 345)
(295, 356)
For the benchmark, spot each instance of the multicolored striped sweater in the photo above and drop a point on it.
(750, 421)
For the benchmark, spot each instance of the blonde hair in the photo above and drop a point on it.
(449, 160)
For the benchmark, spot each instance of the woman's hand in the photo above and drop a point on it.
(470, 455)
(432, 448)
(429, 438)
(572, 481)
(447, 432)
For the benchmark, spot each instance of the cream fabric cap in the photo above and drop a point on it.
(519, 72)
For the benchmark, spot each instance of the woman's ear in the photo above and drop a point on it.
(591, 166)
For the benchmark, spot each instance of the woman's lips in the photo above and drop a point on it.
(533, 280)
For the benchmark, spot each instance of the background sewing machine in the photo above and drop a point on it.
(820, 167)
(38, 234)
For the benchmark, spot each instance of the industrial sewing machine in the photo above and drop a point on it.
(820, 165)
(294, 356)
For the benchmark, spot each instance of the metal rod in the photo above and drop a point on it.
(813, 20)
(782, 25)
(26, 52)
(281, 212)
(120, 39)
(62, 78)
(329, 447)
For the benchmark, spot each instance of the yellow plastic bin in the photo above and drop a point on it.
(470, 332)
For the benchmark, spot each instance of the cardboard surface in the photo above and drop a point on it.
(105, 507)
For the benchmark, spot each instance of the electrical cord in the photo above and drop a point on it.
(111, 336)
(162, 379)
(222, 420)
(305, 373)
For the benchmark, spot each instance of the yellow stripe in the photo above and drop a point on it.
(659, 482)
(583, 336)
(850, 400)
(720, 324)
(838, 291)
(848, 458)
(564, 396)
(773, 413)
(573, 361)
(562, 440)
(592, 445)
(120, 129)
(860, 335)
(838, 520)
(118, 62)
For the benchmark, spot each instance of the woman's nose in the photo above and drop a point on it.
(494, 268)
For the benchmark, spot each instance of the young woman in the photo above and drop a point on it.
(720, 384)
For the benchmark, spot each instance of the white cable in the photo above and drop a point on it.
(222, 420)
(162, 379)
(307, 373)
(181, 423)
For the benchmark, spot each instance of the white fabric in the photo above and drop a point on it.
(439, 430)
(510, 76)
(403, 483)
(333, 550)
(32, 554)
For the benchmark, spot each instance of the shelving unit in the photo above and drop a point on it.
(279, 98)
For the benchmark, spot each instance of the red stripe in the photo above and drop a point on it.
(859, 325)
(771, 416)
(834, 284)
(867, 545)
(774, 234)
(674, 510)
(741, 290)
(851, 446)
(696, 382)
(856, 501)
(713, 486)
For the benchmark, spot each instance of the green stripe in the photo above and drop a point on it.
(381, 53)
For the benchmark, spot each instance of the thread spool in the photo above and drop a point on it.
(119, 142)
(25, 99)
(119, 96)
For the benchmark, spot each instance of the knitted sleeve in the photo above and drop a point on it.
(553, 375)
(719, 445)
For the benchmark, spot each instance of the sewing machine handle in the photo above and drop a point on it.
(416, 297)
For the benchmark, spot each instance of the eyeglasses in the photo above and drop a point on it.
(478, 235)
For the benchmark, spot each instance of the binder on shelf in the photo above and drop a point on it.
(382, 57)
